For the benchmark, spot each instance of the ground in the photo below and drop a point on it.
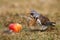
(12, 10)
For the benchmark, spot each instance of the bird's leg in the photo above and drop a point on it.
(44, 27)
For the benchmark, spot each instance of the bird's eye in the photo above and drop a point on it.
(32, 14)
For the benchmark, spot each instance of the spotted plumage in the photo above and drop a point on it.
(42, 20)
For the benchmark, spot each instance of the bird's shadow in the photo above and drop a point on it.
(48, 29)
(37, 30)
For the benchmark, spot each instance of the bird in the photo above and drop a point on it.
(42, 20)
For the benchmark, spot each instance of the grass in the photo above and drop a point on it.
(25, 34)
(12, 10)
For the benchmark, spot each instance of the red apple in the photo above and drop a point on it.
(15, 27)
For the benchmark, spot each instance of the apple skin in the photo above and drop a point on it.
(15, 27)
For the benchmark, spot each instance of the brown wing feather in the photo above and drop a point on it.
(43, 19)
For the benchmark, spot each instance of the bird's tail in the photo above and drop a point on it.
(51, 23)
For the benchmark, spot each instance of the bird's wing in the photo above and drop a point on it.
(39, 21)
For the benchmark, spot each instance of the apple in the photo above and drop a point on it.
(15, 27)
